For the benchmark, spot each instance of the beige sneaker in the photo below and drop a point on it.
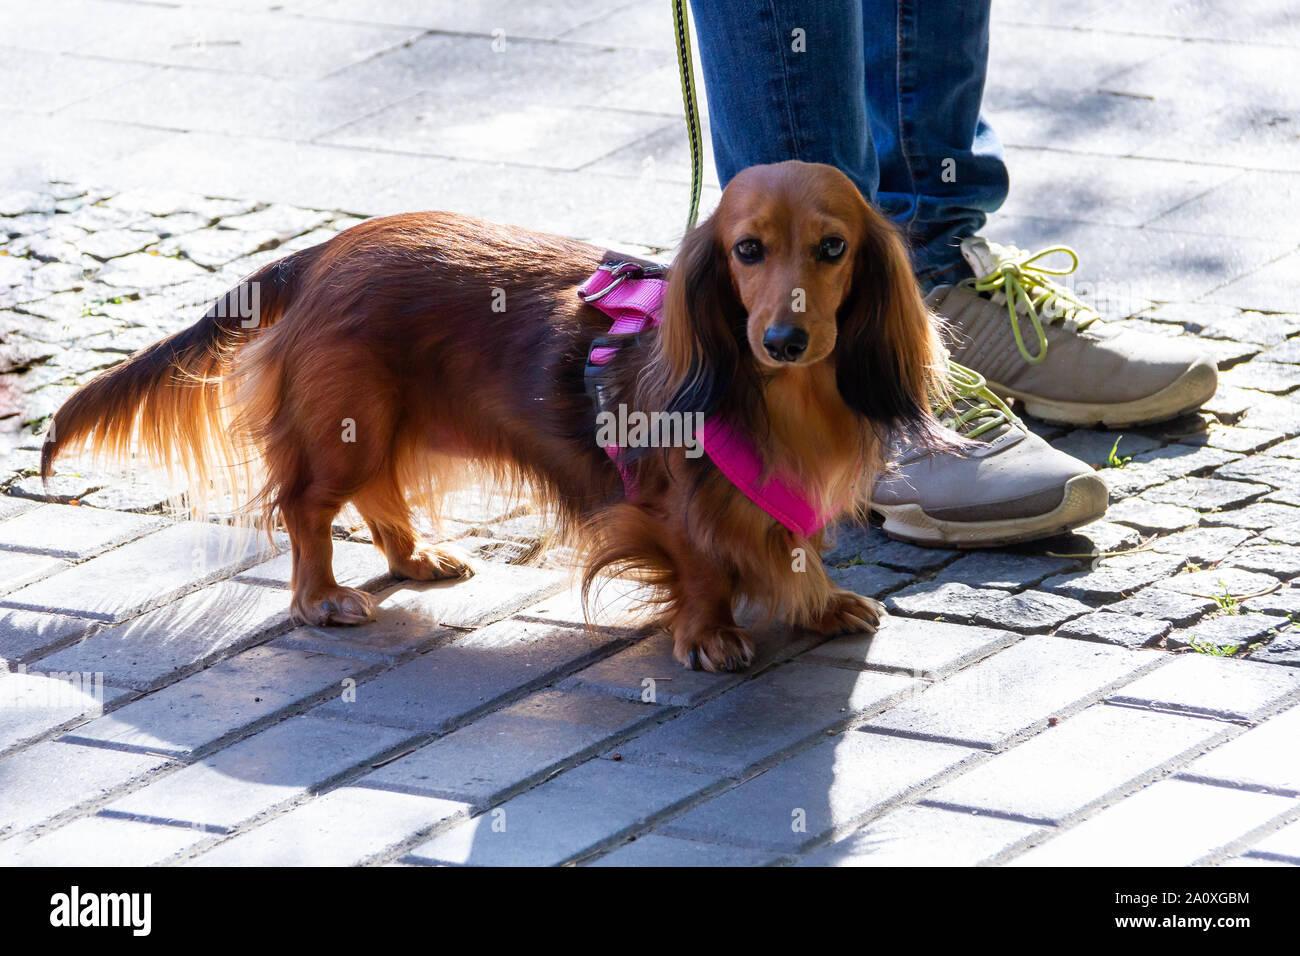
(1033, 340)
(1006, 487)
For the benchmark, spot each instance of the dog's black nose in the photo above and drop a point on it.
(785, 343)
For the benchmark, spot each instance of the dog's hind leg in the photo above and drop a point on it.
(321, 443)
(387, 514)
(317, 597)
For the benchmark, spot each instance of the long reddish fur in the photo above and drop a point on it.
(391, 325)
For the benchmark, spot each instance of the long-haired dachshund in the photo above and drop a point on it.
(378, 364)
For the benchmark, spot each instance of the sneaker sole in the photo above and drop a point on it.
(1189, 392)
(1086, 498)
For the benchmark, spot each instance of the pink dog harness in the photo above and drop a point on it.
(632, 295)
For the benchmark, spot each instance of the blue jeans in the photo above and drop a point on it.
(886, 90)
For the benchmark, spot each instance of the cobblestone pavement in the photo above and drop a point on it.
(1129, 694)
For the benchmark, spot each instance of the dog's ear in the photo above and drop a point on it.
(890, 362)
(703, 321)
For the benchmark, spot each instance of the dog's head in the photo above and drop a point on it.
(794, 269)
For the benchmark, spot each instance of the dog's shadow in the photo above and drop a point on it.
(490, 725)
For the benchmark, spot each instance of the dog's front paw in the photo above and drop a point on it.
(336, 605)
(429, 562)
(849, 613)
(714, 650)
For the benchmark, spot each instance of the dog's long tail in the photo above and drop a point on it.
(166, 401)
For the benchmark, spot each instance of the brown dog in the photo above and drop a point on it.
(383, 361)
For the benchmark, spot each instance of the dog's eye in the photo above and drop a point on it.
(830, 248)
(749, 250)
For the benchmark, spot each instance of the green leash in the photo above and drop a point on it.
(692, 106)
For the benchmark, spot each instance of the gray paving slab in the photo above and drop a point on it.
(545, 21)
(1171, 823)
(1114, 191)
(1220, 582)
(1277, 559)
(165, 36)
(180, 637)
(21, 568)
(25, 635)
(924, 836)
(1115, 578)
(431, 125)
(656, 850)
(825, 789)
(565, 817)
(256, 774)
(355, 566)
(452, 683)
(870, 580)
(1283, 843)
(931, 649)
(500, 77)
(101, 841)
(208, 707)
(950, 601)
(1216, 687)
(1201, 545)
(1032, 612)
(1175, 266)
(1227, 632)
(341, 828)
(34, 704)
(1077, 764)
(869, 544)
(218, 102)
(1274, 517)
(1266, 287)
(760, 719)
(1282, 648)
(506, 750)
(12, 507)
(647, 670)
(74, 533)
(144, 574)
(1014, 692)
(1111, 627)
(389, 641)
(53, 777)
(494, 592)
(1004, 570)
(1247, 22)
(1264, 758)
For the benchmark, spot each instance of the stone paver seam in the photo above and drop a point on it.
(339, 778)
(396, 851)
(1285, 702)
(917, 796)
(724, 784)
(1117, 796)
(1191, 198)
(1068, 710)
(417, 740)
(1166, 769)
(1243, 843)
(89, 807)
(1245, 275)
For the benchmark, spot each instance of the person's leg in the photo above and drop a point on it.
(785, 81)
(941, 172)
(941, 166)
(774, 95)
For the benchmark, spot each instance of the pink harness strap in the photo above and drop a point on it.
(634, 302)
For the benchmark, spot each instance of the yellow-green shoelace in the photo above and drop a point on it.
(987, 411)
(1019, 280)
